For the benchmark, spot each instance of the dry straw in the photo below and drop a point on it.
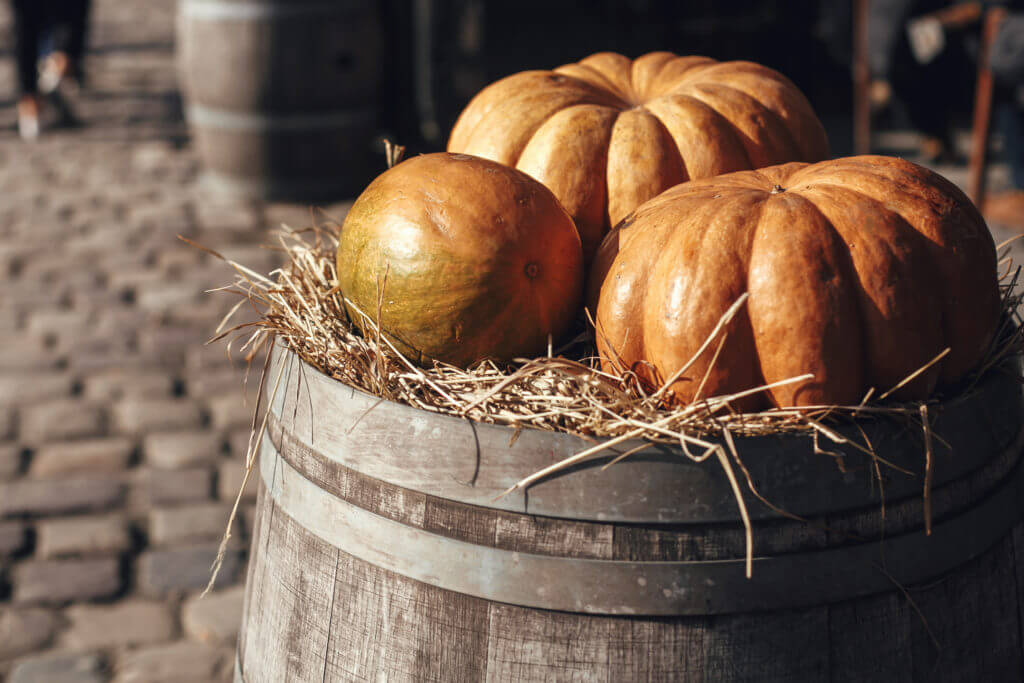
(301, 306)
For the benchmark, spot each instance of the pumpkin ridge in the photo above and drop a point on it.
(686, 75)
(565, 155)
(673, 71)
(615, 68)
(740, 139)
(805, 298)
(714, 242)
(519, 154)
(909, 331)
(788, 103)
(536, 104)
(907, 188)
(668, 133)
(642, 75)
(791, 141)
(480, 107)
(569, 71)
(640, 166)
(775, 144)
(957, 235)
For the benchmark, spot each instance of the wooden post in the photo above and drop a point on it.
(982, 109)
(861, 79)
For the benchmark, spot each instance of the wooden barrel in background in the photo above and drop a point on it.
(381, 552)
(281, 95)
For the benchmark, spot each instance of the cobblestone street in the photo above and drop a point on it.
(121, 435)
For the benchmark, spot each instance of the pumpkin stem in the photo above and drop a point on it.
(393, 153)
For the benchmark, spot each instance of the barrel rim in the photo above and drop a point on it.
(652, 588)
(471, 462)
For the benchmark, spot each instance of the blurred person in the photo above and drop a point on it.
(925, 51)
(1007, 63)
(54, 30)
(939, 33)
(921, 54)
(885, 21)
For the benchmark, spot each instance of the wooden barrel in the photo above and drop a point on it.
(281, 95)
(382, 552)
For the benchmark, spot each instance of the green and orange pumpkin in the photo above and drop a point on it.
(466, 259)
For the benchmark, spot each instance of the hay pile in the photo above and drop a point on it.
(300, 306)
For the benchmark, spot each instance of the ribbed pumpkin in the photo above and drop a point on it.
(609, 133)
(859, 270)
(469, 259)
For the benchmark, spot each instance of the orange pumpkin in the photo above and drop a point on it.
(859, 271)
(469, 260)
(607, 134)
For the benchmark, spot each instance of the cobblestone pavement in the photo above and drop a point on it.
(121, 435)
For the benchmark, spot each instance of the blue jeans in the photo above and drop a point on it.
(1010, 124)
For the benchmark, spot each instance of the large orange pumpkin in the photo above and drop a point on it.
(859, 270)
(607, 134)
(469, 259)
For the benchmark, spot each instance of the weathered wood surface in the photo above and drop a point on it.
(277, 92)
(473, 463)
(323, 605)
(570, 577)
(377, 625)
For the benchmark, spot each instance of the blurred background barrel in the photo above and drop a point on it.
(282, 95)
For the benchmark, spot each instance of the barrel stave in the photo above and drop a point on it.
(383, 624)
(330, 598)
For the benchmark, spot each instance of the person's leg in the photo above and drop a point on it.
(78, 32)
(1010, 124)
(27, 24)
(28, 20)
(69, 28)
(1007, 208)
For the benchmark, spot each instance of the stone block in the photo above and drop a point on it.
(10, 460)
(186, 568)
(25, 630)
(216, 618)
(230, 411)
(58, 581)
(82, 536)
(230, 476)
(112, 384)
(129, 622)
(22, 388)
(168, 487)
(185, 523)
(13, 538)
(60, 420)
(181, 662)
(54, 496)
(81, 457)
(137, 416)
(178, 449)
(60, 667)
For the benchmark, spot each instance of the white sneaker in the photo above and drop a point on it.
(28, 119)
(52, 72)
